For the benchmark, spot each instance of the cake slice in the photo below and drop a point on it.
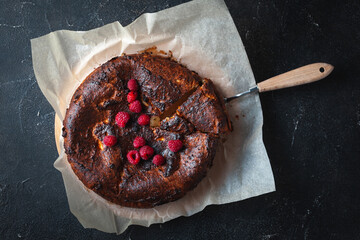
(163, 81)
(205, 109)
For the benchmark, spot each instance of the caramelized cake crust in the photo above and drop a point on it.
(163, 84)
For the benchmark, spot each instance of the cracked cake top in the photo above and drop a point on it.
(175, 116)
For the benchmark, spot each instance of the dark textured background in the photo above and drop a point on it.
(311, 132)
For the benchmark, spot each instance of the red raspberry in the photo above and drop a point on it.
(175, 145)
(158, 160)
(139, 142)
(143, 120)
(110, 140)
(132, 85)
(135, 106)
(146, 152)
(133, 157)
(132, 96)
(122, 118)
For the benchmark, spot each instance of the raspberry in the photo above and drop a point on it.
(132, 85)
(132, 96)
(135, 106)
(133, 157)
(143, 120)
(139, 142)
(158, 160)
(175, 145)
(122, 118)
(146, 152)
(110, 140)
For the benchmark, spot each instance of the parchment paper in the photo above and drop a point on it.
(202, 36)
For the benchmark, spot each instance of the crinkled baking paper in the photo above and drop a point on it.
(201, 35)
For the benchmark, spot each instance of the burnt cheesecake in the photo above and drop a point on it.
(142, 130)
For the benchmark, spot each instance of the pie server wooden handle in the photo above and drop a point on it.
(302, 75)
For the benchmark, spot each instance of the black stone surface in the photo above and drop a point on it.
(311, 132)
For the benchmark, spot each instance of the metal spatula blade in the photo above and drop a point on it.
(299, 76)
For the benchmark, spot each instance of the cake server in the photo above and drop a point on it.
(299, 76)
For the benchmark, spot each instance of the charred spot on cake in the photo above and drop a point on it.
(101, 129)
(80, 150)
(81, 167)
(97, 186)
(64, 133)
(109, 72)
(97, 77)
(145, 165)
(157, 146)
(144, 100)
(135, 128)
(111, 116)
(77, 99)
(96, 82)
(146, 70)
(69, 151)
(172, 162)
(77, 96)
(113, 59)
